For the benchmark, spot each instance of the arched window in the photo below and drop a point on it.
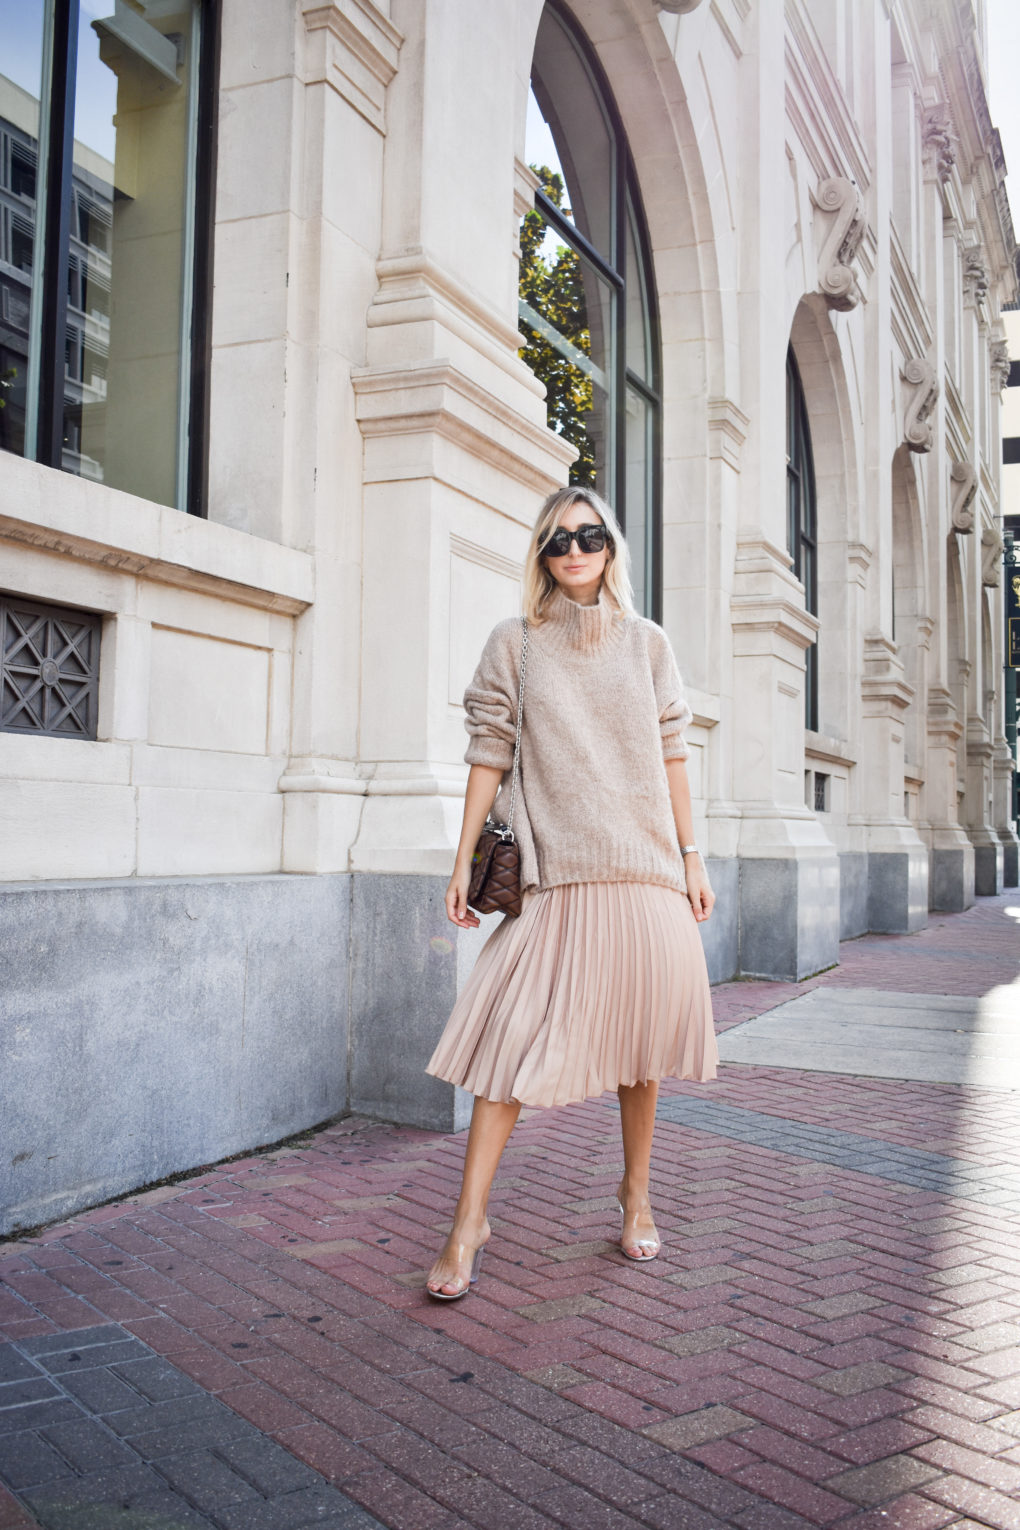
(587, 296)
(801, 519)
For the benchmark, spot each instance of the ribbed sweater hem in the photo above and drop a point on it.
(596, 867)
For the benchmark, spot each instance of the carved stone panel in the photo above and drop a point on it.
(975, 275)
(998, 360)
(991, 557)
(963, 487)
(840, 211)
(922, 392)
(939, 140)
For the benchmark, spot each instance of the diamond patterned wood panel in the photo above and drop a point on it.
(49, 681)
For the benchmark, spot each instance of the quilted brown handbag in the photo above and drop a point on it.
(495, 886)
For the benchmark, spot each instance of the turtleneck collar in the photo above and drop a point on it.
(585, 629)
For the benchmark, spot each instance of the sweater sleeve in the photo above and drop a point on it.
(490, 702)
(674, 712)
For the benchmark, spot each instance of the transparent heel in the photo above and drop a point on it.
(652, 1245)
(454, 1296)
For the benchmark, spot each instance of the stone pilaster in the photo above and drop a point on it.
(897, 858)
(789, 869)
(951, 854)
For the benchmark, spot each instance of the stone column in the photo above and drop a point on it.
(951, 854)
(1002, 792)
(897, 858)
(457, 458)
(789, 870)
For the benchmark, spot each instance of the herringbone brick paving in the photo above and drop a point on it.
(819, 1343)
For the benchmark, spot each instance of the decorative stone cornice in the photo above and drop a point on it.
(435, 398)
(839, 209)
(991, 557)
(939, 140)
(998, 360)
(767, 602)
(858, 557)
(943, 724)
(353, 48)
(884, 688)
(963, 487)
(727, 431)
(922, 381)
(975, 275)
(924, 626)
(526, 183)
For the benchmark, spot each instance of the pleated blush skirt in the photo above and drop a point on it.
(595, 985)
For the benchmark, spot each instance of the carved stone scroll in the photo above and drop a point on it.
(975, 275)
(922, 379)
(991, 557)
(939, 140)
(998, 360)
(963, 481)
(841, 208)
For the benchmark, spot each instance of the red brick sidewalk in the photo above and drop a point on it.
(831, 1336)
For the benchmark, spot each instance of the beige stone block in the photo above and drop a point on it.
(258, 39)
(23, 757)
(201, 833)
(167, 605)
(252, 266)
(352, 153)
(280, 684)
(204, 769)
(53, 829)
(95, 531)
(319, 829)
(45, 575)
(247, 435)
(480, 597)
(124, 678)
(207, 694)
(249, 185)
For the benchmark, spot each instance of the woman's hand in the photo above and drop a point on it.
(699, 890)
(457, 910)
(480, 793)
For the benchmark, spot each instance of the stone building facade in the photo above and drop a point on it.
(231, 747)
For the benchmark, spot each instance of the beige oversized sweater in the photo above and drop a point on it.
(604, 708)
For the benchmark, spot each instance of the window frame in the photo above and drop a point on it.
(625, 193)
(802, 521)
(56, 203)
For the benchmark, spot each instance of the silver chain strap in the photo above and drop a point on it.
(520, 721)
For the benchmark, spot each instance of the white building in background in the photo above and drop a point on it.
(376, 278)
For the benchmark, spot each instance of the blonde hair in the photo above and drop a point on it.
(539, 583)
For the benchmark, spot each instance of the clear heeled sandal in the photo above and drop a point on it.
(653, 1245)
(476, 1264)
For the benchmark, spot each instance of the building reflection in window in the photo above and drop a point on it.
(112, 292)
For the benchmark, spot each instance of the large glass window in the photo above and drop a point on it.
(801, 519)
(105, 180)
(587, 309)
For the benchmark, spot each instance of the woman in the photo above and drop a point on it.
(601, 982)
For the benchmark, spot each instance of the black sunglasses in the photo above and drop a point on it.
(590, 539)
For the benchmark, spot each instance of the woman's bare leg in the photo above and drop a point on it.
(637, 1122)
(492, 1121)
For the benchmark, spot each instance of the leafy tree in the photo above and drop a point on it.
(553, 287)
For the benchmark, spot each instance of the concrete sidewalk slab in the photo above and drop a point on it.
(876, 1034)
